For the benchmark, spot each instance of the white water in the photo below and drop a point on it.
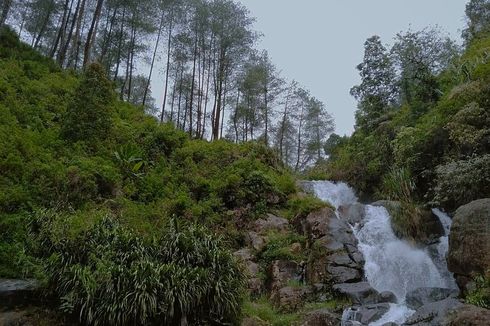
(391, 264)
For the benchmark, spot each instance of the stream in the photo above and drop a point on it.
(391, 264)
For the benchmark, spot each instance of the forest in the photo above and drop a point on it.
(233, 202)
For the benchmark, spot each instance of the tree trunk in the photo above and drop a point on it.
(148, 81)
(62, 30)
(193, 83)
(169, 47)
(64, 47)
(92, 32)
(119, 48)
(78, 34)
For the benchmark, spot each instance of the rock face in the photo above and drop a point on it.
(468, 315)
(469, 241)
(17, 292)
(335, 257)
(322, 317)
(255, 284)
(434, 313)
(362, 293)
(271, 222)
(281, 272)
(291, 298)
(423, 296)
(353, 214)
(364, 315)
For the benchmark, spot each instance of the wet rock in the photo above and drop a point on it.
(366, 314)
(255, 240)
(469, 239)
(281, 272)
(321, 317)
(434, 313)
(362, 293)
(340, 274)
(271, 223)
(353, 214)
(468, 315)
(289, 299)
(18, 292)
(419, 297)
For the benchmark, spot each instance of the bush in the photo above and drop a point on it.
(398, 185)
(89, 115)
(106, 275)
(480, 295)
(461, 182)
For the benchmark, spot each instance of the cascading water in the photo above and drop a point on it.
(391, 264)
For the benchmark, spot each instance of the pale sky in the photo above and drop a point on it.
(319, 42)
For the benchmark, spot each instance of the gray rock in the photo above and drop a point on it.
(366, 314)
(353, 214)
(322, 317)
(271, 223)
(419, 297)
(468, 315)
(362, 293)
(290, 298)
(254, 240)
(340, 274)
(434, 313)
(18, 292)
(244, 254)
(469, 241)
(281, 272)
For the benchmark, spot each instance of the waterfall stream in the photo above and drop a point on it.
(391, 264)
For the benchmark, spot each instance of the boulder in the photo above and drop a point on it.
(18, 292)
(255, 241)
(255, 283)
(434, 313)
(468, 315)
(421, 296)
(14, 318)
(271, 223)
(244, 254)
(316, 224)
(353, 214)
(362, 293)
(322, 317)
(469, 241)
(366, 314)
(281, 272)
(340, 274)
(291, 298)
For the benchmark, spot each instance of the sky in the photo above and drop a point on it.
(320, 42)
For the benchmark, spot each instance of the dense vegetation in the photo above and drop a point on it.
(112, 209)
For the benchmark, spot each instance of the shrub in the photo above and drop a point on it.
(106, 275)
(398, 184)
(89, 115)
(480, 295)
(461, 182)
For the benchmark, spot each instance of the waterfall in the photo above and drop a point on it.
(391, 264)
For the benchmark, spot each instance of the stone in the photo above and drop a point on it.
(322, 317)
(353, 214)
(296, 248)
(281, 272)
(14, 318)
(271, 223)
(316, 224)
(469, 241)
(244, 254)
(434, 313)
(468, 315)
(340, 274)
(362, 293)
(255, 286)
(291, 298)
(18, 292)
(421, 296)
(254, 240)
(366, 314)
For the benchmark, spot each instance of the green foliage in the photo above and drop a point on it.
(480, 294)
(461, 182)
(301, 206)
(278, 247)
(264, 310)
(89, 115)
(104, 274)
(398, 185)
